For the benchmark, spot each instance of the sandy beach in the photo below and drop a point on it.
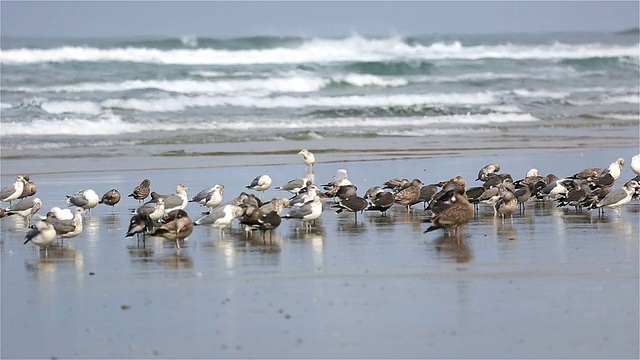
(551, 283)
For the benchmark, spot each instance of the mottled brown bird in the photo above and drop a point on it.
(111, 198)
(457, 214)
(177, 227)
(141, 191)
(409, 195)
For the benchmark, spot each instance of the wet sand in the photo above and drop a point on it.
(551, 283)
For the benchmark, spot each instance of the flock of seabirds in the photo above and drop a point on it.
(451, 204)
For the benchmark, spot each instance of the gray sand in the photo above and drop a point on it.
(550, 283)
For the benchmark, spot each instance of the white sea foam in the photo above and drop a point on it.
(635, 117)
(354, 48)
(113, 125)
(436, 131)
(180, 103)
(288, 84)
(364, 80)
(292, 84)
(5, 106)
(71, 107)
(621, 99)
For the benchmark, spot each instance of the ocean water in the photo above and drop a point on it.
(100, 93)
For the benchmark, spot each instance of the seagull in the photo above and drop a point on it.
(62, 214)
(25, 208)
(507, 202)
(409, 195)
(221, 217)
(635, 164)
(268, 222)
(276, 205)
(308, 212)
(210, 197)
(338, 180)
(177, 227)
(111, 198)
(152, 211)
(177, 201)
(29, 188)
(77, 222)
(42, 234)
(261, 183)
(61, 226)
(382, 202)
(353, 204)
(309, 159)
(295, 186)
(620, 197)
(457, 214)
(141, 191)
(86, 199)
(137, 226)
(306, 195)
(13, 191)
(486, 170)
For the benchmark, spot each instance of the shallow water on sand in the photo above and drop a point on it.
(549, 283)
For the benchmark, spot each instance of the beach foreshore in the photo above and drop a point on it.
(552, 282)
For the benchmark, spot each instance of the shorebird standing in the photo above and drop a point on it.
(111, 198)
(42, 234)
(261, 183)
(457, 213)
(141, 191)
(177, 226)
(309, 159)
(13, 191)
(86, 199)
(25, 208)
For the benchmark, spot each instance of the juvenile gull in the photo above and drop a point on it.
(261, 183)
(41, 234)
(276, 205)
(141, 191)
(396, 184)
(177, 226)
(308, 158)
(29, 188)
(457, 214)
(86, 199)
(13, 191)
(486, 170)
(110, 198)
(409, 195)
(25, 208)
(507, 202)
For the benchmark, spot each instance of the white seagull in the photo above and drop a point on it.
(309, 159)
(13, 191)
(86, 199)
